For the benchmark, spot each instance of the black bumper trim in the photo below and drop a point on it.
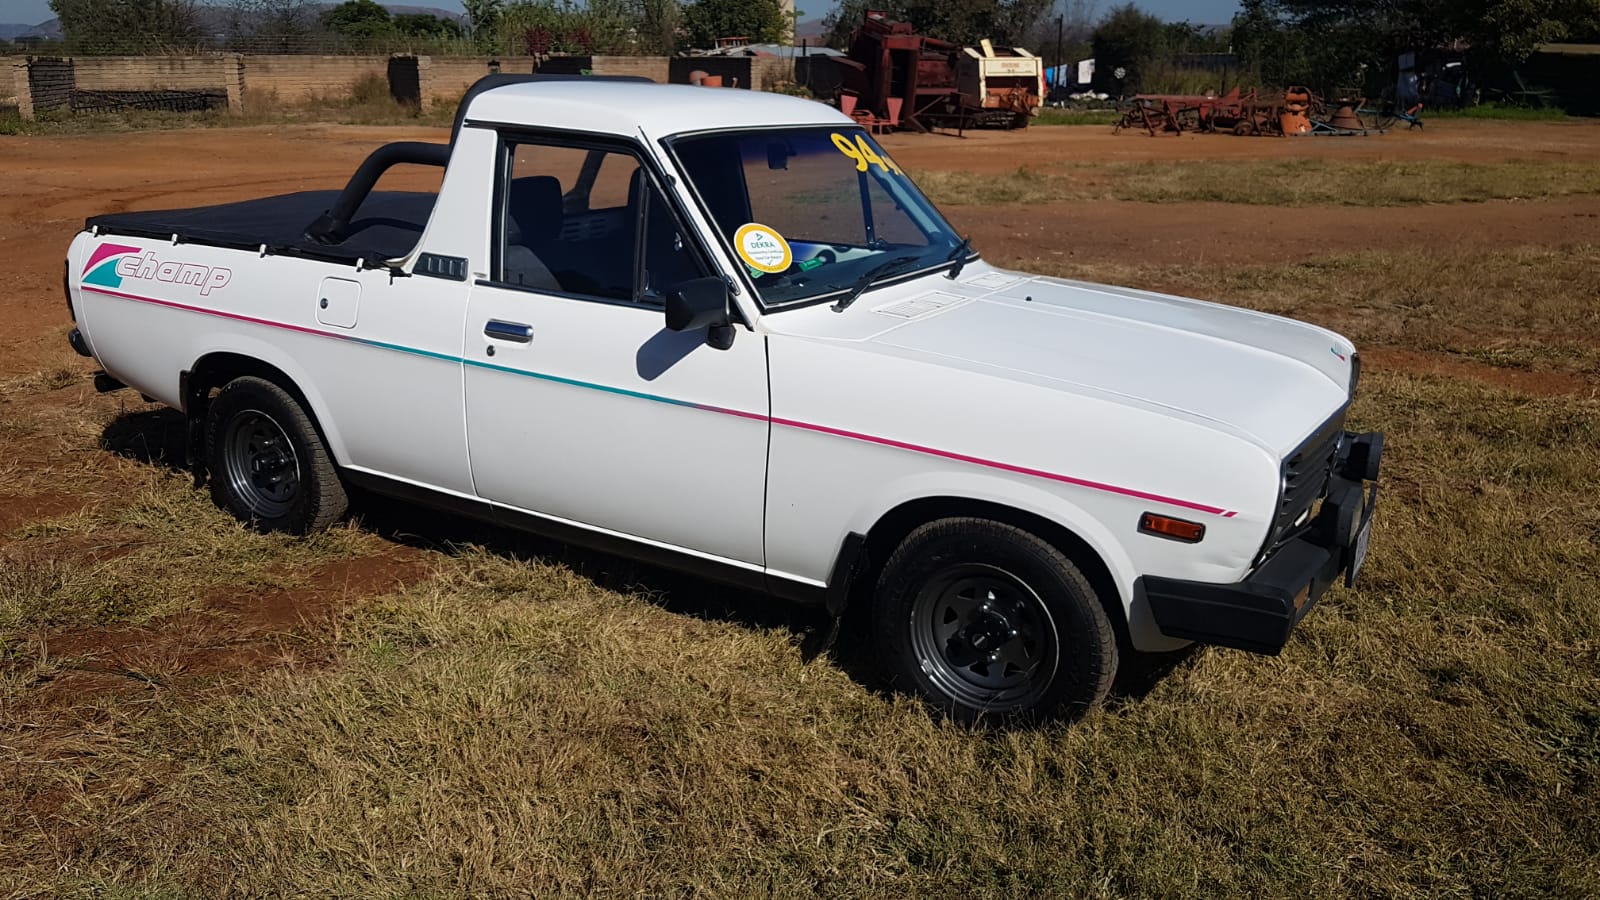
(1258, 613)
(80, 346)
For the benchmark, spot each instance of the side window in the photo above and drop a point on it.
(589, 221)
(570, 226)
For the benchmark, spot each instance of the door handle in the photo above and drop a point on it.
(515, 332)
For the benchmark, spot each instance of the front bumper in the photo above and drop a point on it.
(1258, 613)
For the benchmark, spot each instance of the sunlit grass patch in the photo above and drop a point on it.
(1529, 308)
(1284, 182)
(152, 554)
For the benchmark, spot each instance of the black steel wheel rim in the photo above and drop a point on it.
(262, 469)
(984, 637)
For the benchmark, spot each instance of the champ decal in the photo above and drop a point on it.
(109, 264)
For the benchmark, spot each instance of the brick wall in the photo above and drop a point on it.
(297, 78)
(179, 73)
(655, 68)
(8, 79)
(449, 76)
(767, 71)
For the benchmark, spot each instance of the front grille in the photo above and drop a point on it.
(1305, 480)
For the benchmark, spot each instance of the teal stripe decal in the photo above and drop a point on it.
(557, 379)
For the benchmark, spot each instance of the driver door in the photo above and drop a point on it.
(582, 408)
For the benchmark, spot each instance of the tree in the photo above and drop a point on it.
(846, 18)
(1008, 23)
(126, 26)
(1077, 21)
(562, 26)
(284, 25)
(423, 25)
(358, 20)
(1127, 40)
(762, 21)
(1329, 45)
(659, 22)
(483, 16)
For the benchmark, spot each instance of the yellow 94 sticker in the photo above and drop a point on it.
(863, 154)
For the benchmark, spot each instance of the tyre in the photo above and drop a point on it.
(992, 624)
(268, 464)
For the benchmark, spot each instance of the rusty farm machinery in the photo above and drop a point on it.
(1293, 112)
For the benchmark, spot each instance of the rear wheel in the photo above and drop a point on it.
(989, 622)
(268, 465)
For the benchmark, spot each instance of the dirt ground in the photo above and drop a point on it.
(53, 183)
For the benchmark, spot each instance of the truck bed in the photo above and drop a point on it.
(388, 225)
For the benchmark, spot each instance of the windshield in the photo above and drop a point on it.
(814, 212)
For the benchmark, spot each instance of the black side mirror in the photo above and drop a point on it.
(701, 303)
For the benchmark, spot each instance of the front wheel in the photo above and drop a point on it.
(268, 465)
(989, 622)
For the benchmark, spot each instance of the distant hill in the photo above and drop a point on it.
(10, 31)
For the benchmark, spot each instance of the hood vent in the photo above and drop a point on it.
(919, 306)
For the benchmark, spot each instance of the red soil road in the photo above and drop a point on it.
(1463, 140)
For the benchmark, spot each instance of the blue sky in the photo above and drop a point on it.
(1208, 12)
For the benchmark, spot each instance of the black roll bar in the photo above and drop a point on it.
(333, 226)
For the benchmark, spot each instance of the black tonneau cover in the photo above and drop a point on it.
(356, 224)
(387, 225)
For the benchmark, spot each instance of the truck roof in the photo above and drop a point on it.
(626, 107)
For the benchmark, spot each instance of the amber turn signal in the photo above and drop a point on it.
(1168, 527)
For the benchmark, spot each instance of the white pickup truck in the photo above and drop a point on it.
(723, 331)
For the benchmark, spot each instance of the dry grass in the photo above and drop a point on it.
(509, 726)
(1529, 308)
(1292, 183)
(153, 554)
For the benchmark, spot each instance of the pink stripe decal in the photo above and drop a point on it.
(787, 423)
(1006, 467)
(105, 250)
(218, 313)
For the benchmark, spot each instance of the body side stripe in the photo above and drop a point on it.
(787, 423)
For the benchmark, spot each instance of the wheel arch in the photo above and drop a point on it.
(894, 525)
(216, 368)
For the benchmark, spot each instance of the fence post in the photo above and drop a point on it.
(233, 80)
(24, 89)
(425, 94)
(45, 83)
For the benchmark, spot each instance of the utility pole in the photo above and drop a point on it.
(1060, 21)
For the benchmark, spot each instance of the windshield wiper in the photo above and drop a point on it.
(959, 257)
(871, 275)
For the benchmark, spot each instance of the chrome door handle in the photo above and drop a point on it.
(509, 331)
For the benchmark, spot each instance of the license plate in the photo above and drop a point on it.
(1359, 552)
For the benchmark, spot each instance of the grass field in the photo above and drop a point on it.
(1289, 182)
(506, 717)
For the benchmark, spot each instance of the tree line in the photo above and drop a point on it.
(1322, 43)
